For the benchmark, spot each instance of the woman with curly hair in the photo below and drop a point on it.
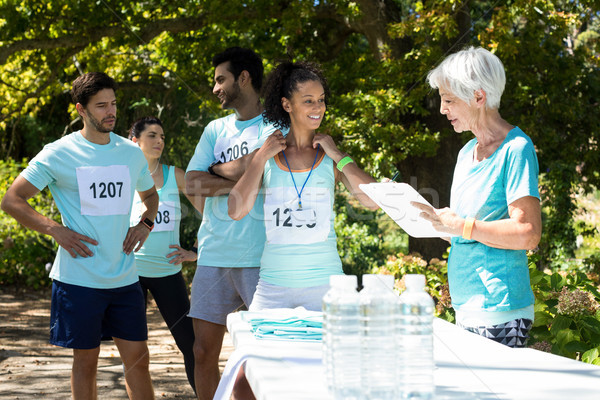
(298, 174)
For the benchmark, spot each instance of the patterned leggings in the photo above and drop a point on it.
(512, 333)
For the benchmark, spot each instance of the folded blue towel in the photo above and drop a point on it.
(292, 324)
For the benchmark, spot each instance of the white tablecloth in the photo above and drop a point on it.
(468, 367)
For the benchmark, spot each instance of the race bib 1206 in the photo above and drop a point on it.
(231, 148)
(104, 190)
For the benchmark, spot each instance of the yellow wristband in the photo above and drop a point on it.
(343, 162)
(468, 228)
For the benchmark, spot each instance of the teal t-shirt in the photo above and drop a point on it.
(484, 278)
(222, 241)
(151, 259)
(301, 248)
(93, 187)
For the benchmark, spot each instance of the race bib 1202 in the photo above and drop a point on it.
(104, 190)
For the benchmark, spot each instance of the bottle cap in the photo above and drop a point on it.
(375, 280)
(414, 281)
(343, 281)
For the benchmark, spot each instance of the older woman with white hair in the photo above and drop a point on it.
(494, 211)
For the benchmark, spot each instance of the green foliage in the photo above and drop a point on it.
(567, 314)
(376, 55)
(435, 271)
(358, 238)
(24, 253)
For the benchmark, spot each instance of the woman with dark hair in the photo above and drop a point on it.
(298, 174)
(159, 260)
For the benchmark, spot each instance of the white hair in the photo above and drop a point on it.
(469, 70)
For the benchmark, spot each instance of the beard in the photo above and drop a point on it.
(231, 97)
(99, 125)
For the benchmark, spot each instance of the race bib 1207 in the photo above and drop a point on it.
(104, 190)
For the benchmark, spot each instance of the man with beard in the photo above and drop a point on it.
(92, 175)
(229, 251)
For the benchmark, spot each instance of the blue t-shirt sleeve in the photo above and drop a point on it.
(522, 171)
(266, 130)
(204, 154)
(38, 172)
(145, 181)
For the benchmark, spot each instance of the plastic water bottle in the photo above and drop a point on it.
(414, 341)
(378, 306)
(341, 339)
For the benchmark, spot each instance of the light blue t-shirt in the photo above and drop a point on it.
(301, 249)
(484, 278)
(93, 188)
(151, 259)
(222, 241)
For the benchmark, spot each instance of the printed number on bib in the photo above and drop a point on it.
(286, 217)
(286, 224)
(231, 148)
(165, 217)
(104, 190)
(233, 153)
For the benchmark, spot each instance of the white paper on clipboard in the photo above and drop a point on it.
(394, 198)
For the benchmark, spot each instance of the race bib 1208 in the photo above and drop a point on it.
(165, 217)
(104, 190)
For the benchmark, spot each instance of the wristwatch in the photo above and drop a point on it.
(210, 168)
(148, 223)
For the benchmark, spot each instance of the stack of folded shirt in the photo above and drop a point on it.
(285, 324)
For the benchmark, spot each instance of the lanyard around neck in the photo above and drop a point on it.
(294, 181)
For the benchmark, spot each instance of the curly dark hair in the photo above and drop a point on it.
(283, 82)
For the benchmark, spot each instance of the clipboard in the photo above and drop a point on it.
(394, 198)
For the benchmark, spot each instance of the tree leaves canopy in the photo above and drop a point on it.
(376, 55)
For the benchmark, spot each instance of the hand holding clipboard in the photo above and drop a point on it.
(395, 199)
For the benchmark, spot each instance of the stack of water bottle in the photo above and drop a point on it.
(377, 345)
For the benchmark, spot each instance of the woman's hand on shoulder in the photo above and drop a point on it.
(273, 145)
(328, 145)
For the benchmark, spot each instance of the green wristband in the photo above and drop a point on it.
(343, 162)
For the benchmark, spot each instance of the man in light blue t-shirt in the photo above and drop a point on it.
(228, 251)
(92, 175)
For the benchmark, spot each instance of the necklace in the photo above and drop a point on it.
(155, 168)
